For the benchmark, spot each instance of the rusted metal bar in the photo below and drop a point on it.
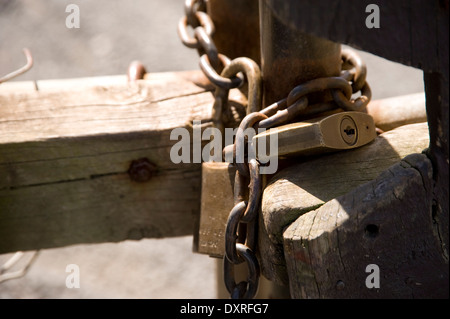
(290, 57)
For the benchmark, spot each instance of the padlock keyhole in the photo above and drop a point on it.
(349, 131)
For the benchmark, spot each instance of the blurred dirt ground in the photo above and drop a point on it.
(111, 35)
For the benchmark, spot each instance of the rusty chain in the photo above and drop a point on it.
(240, 234)
(226, 74)
(212, 63)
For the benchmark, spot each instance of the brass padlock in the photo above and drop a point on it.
(217, 200)
(339, 131)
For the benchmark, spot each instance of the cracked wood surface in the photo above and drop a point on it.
(65, 150)
(388, 222)
(306, 186)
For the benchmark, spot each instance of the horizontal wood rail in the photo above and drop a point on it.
(66, 147)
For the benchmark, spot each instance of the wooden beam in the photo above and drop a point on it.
(393, 112)
(65, 153)
(303, 187)
(411, 32)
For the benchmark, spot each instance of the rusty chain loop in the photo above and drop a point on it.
(244, 289)
(253, 75)
(226, 74)
(203, 26)
(255, 190)
(190, 8)
(240, 141)
(205, 22)
(214, 77)
(240, 234)
(231, 232)
(208, 47)
(357, 73)
(342, 87)
(296, 103)
(212, 62)
(222, 112)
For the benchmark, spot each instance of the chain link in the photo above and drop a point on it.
(241, 142)
(215, 78)
(204, 22)
(226, 74)
(244, 289)
(191, 7)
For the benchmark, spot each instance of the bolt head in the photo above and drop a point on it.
(141, 170)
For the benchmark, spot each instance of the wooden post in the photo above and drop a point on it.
(302, 187)
(384, 226)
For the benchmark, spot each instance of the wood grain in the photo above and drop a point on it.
(387, 222)
(65, 151)
(309, 184)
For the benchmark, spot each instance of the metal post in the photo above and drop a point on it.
(237, 27)
(290, 57)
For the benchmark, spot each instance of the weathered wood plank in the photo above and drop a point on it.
(64, 145)
(17, 87)
(306, 186)
(387, 222)
(68, 110)
(409, 30)
(107, 208)
(65, 151)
